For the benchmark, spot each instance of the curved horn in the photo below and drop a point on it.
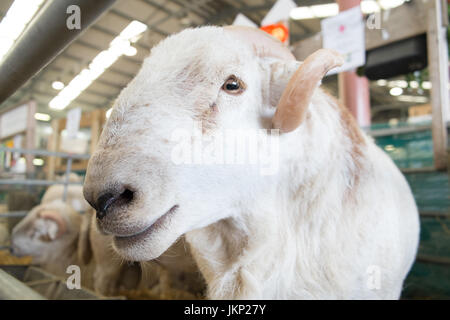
(296, 98)
(263, 43)
(55, 216)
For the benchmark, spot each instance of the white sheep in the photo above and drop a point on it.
(74, 195)
(49, 234)
(337, 220)
(56, 236)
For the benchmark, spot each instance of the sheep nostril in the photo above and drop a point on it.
(127, 196)
(103, 203)
(108, 200)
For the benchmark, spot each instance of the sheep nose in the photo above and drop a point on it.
(107, 201)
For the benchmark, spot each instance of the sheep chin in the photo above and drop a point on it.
(151, 242)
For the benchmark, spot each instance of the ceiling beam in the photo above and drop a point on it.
(113, 35)
(152, 27)
(96, 48)
(192, 7)
(157, 6)
(99, 80)
(82, 62)
(87, 90)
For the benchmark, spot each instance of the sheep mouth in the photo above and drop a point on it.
(148, 230)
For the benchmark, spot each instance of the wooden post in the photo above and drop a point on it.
(30, 136)
(52, 146)
(95, 129)
(438, 67)
(353, 89)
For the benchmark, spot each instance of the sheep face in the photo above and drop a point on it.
(207, 79)
(46, 230)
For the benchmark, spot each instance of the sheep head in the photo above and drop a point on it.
(47, 228)
(223, 78)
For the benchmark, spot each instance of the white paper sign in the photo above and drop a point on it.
(17, 140)
(279, 12)
(345, 34)
(73, 123)
(242, 20)
(14, 121)
(73, 145)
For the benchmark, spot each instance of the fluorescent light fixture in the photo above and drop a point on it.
(130, 51)
(42, 116)
(396, 91)
(369, 6)
(413, 99)
(414, 84)
(133, 30)
(38, 162)
(325, 10)
(398, 83)
(332, 9)
(16, 19)
(301, 13)
(393, 122)
(108, 112)
(5, 45)
(426, 85)
(382, 82)
(118, 47)
(389, 4)
(57, 85)
(48, 130)
(389, 147)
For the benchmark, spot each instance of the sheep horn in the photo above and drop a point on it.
(296, 98)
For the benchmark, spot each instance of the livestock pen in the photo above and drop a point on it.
(100, 89)
(411, 148)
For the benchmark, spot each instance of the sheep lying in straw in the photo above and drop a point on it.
(334, 220)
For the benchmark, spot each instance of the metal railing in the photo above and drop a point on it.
(13, 289)
(35, 182)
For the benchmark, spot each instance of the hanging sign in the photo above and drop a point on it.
(345, 34)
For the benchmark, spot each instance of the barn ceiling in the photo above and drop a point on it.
(163, 17)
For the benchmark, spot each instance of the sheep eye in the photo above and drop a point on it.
(233, 85)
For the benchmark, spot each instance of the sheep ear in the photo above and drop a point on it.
(52, 230)
(52, 223)
(296, 97)
(84, 241)
(278, 73)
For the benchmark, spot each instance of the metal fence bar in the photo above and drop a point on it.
(433, 259)
(47, 153)
(66, 180)
(34, 182)
(13, 214)
(13, 289)
(398, 130)
(435, 214)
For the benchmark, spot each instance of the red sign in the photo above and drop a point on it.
(278, 30)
